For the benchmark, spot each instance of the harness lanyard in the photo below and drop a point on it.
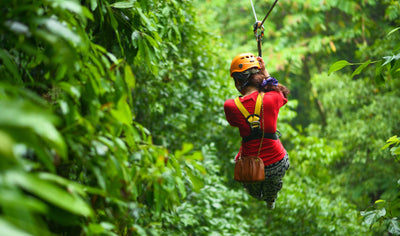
(261, 127)
(260, 25)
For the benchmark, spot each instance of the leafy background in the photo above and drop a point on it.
(112, 117)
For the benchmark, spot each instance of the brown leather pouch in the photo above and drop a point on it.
(249, 169)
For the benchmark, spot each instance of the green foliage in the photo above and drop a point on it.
(393, 143)
(55, 54)
(384, 215)
(31, 144)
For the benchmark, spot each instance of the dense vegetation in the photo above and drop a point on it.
(112, 117)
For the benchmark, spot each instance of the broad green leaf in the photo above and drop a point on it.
(394, 30)
(394, 140)
(394, 226)
(69, 5)
(186, 147)
(129, 77)
(145, 20)
(11, 198)
(87, 13)
(93, 5)
(104, 228)
(9, 229)
(113, 20)
(139, 230)
(389, 59)
(123, 112)
(395, 151)
(72, 186)
(10, 65)
(59, 29)
(136, 36)
(124, 4)
(113, 58)
(195, 156)
(360, 68)
(24, 115)
(151, 41)
(18, 27)
(337, 66)
(371, 217)
(50, 192)
(175, 165)
(180, 185)
(379, 201)
(196, 181)
(177, 32)
(6, 147)
(72, 90)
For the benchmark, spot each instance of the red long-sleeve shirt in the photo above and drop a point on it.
(271, 150)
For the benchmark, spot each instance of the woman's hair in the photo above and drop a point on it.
(258, 78)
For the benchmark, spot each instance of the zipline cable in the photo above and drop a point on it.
(254, 11)
(262, 22)
(260, 26)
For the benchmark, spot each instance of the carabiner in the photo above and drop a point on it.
(258, 27)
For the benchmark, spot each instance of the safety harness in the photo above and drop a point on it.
(254, 121)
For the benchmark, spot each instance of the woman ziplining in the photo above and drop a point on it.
(262, 94)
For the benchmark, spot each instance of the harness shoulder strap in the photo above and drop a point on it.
(256, 116)
(242, 109)
(259, 101)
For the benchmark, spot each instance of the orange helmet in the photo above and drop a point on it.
(243, 62)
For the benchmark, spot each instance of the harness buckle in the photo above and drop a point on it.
(254, 121)
(255, 124)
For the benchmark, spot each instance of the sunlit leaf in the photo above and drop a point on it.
(360, 68)
(6, 147)
(59, 29)
(129, 77)
(392, 31)
(187, 147)
(371, 217)
(394, 226)
(389, 59)
(152, 42)
(123, 112)
(9, 229)
(379, 201)
(18, 27)
(70, 185)
(69, 5)
(338, 65)
(124, 4)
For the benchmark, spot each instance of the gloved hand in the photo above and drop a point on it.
(262, 65)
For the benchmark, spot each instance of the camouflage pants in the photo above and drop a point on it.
(268, 189)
